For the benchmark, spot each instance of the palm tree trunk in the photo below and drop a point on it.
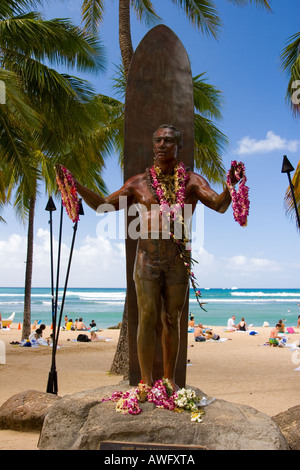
(125, 34)
(120, 364)
(28, 275)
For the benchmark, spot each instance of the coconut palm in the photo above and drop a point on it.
(62, 110)
(201, 13)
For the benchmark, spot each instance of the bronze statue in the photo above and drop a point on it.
(160, 274)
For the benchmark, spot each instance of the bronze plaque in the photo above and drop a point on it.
(159, 91)
(119, 445)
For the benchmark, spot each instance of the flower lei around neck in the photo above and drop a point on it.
(162, 395)
(240, 198)
(69, 195)
(170, 191)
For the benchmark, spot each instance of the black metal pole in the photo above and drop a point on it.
(52, 386)
(66, 284)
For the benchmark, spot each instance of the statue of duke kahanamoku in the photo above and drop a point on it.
(160, 274)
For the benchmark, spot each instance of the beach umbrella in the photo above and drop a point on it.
(287, 167)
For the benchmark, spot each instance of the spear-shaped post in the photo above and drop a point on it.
(287, 167)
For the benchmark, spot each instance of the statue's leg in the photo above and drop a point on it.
(174, 299)
(148, 298)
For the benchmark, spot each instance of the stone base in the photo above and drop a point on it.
(82, 421)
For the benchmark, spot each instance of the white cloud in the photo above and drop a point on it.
(96, 262)
(246, 265)
(248, 145)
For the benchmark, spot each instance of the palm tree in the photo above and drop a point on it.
(290, 62)
(62, 110)
(201, 13)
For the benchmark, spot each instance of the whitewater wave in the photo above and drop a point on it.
(231, 301)
(266, 294)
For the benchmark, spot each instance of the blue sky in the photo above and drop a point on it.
(244, 64)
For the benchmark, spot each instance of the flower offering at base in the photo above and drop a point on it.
(162, 395)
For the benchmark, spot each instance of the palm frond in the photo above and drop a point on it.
(145, 11)
(34, 37)
(92, 14)
(207, 99)
(202, 14)
(259, 3)
(290, 63)
(210, 142)
(288, 200)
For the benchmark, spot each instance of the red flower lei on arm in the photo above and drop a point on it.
(240, 198)
(69, 195)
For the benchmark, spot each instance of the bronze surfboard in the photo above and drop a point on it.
(159, 91)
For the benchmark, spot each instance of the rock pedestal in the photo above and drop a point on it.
(82, 421)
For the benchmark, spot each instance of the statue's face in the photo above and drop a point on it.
(164, 146)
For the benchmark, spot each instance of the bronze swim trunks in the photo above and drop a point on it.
(159, 261)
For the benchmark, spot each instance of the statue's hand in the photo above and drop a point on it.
(60, 173)
(58, 169)
(234, 180)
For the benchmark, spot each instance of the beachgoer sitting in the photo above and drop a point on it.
(198, 333)
(191, 323)
(35, 335)
(273, 339)
(242, 326)
(70, 326)
(94, 336)
(282, 328)
(80, 325)
(209, 334)
(231, 325)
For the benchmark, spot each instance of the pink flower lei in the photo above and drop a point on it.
(164, 197)
(69, 195)
(180, 177)
(240, 198)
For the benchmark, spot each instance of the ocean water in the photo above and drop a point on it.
(105, 306)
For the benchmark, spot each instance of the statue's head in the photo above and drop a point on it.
(176, 133)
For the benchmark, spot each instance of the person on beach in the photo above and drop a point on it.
(35, 335)
(199, 334)
(274, 337)
(231, 326)
(282, 327)
(159, 270)
(80, 325)
(209, 334)
(242, 326)
(69, 325)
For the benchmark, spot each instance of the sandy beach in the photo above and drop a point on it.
(239, 369)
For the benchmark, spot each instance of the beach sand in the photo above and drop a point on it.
(240, 369)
